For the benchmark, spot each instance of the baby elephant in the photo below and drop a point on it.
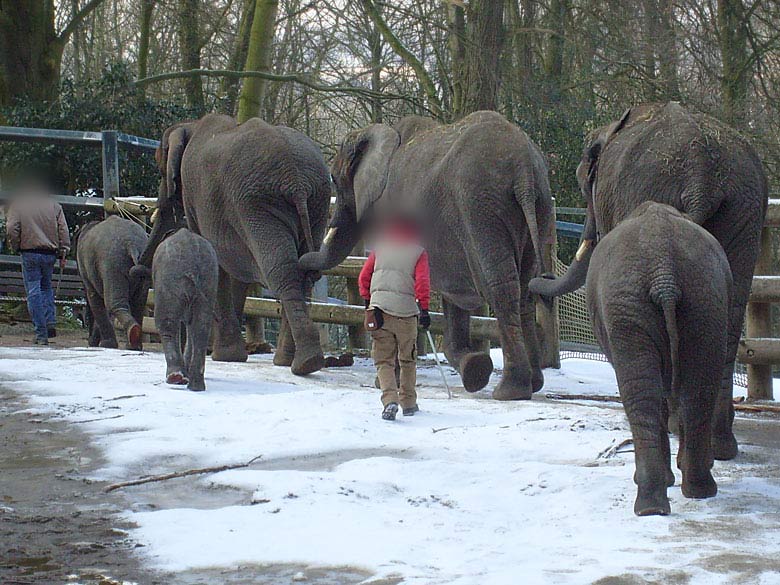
(185, 274)
(106, 252)
(659, 291)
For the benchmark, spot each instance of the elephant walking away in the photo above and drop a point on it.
(668, 154)
(106, 251)
(659, 294)
(479, 190)
(185, 273)
(260, 195)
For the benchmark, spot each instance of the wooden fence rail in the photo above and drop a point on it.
(481, 327)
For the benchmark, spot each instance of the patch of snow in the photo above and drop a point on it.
(470, 491)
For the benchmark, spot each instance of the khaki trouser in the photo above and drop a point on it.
(397, 339)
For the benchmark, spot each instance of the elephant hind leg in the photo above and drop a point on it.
(195, 352)
(474, 367)
(170, 332)
(106, 337)
(285, 345)
(228, 344)
(639, 373)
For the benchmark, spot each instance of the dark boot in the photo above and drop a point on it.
(411, 411)
(390, 411)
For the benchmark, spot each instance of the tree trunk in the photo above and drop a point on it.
(667, 50)
(258, 54)
(189, 45)
(426, 83)
(733, 34)
(375, 43)
(230, 85)
(30, 51)
(147, 8)
(553, 63)
(456, 25)
(485, 27)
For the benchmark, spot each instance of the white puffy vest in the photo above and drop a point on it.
(392, 283)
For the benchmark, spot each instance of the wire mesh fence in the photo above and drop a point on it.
(576, 333)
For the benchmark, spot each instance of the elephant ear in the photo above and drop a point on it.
(594, 149)
(370, 165)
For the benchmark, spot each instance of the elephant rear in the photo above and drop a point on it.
(659, 292)
(185, 275)
(106, 253)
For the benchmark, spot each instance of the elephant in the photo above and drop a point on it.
(659, 291)
(106, 251)
(480, 192)
(260, 195)
(185, 273)
(668, 154)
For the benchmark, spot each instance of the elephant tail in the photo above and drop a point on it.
(139, 272)
(527, 194)
(302, 206)
(665, 293)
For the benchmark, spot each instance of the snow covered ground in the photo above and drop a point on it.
(470, 491)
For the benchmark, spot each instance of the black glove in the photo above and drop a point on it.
(425, 319)
(368, 302)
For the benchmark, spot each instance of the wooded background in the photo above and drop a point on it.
(558, 68)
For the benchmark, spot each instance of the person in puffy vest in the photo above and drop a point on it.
(395, 283)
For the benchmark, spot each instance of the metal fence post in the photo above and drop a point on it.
(110, 151)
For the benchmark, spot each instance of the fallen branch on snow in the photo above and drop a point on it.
(614, 449)
(592, 397)
(177, 474)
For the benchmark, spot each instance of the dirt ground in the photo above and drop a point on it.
(57, 526)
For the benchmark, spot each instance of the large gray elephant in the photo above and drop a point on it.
(259, 194)
(106, 252)
(668, 154)
(659, 294)
(480, 191)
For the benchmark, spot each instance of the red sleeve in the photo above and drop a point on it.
(422, 281)
(364, 280)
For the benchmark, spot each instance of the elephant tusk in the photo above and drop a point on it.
(583, 249)
(155, 214)
(329, 236)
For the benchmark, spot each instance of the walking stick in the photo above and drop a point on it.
(59, 279)
(438, 363)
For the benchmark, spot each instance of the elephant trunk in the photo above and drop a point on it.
(577, 271)
(166, 220)
(341, 238)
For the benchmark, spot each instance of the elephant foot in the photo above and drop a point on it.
(700, 487)
(513, 386)
(724, 447)
(475, 370)
(196, 385)
(109, 344)
(283, 358)
(669, 477)
(652, 502)
(134, 337)
(537, 380)
(232, 352)
(176, 379)
(308, 363)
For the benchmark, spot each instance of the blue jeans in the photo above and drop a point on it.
(37, 270)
